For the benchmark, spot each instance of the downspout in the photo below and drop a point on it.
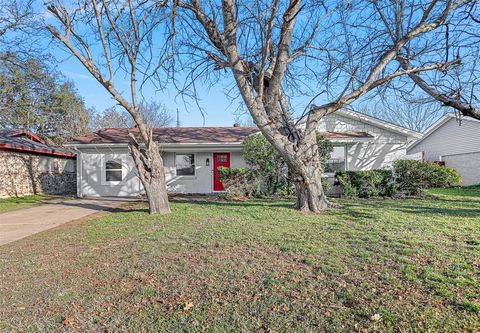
(79, 171)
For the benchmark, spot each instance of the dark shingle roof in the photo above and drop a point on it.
(26, 141)
(171, 135)
(191, 135)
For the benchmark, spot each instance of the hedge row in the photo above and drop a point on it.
(407, 177)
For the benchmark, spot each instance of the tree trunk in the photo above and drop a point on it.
(157, 196)
(306, 171)
(308, 185)
(150, 168)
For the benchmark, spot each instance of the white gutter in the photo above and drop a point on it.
(79, 171)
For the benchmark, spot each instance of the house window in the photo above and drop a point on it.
(185, 164)
(337, 160)
(222, 158)
(68, 166)
(47, 164)
(113, 170)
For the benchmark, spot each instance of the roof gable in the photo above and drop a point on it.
(439, 124)
(372, 121)
(377, 122)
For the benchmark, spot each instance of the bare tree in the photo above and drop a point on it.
(20, 32)
(458, 38)
(120, 34)
(154, 114)
(335, 50)
(110, 118)
(416, 114)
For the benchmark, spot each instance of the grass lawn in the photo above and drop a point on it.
(255, 266)
(14, 203)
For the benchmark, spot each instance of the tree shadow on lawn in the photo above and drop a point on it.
(100, 207)
(413, 207)
(273, 203)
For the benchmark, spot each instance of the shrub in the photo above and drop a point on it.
(408, 177)
(327, 186)
(413, 177)
(238, 182)
(270, 170)
(366, 184)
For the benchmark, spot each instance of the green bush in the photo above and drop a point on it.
(270, 170)
(407, 177)
(238, 182)
(413, 177)
(327, 186)
(366, 184)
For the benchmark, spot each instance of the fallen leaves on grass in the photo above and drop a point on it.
(69, 320)
(187, 306)
(375, 317)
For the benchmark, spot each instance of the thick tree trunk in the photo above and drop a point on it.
(310, 194)
(150, 168)
(306, 171)
(156, 190)
(308, 185)
(157, 196)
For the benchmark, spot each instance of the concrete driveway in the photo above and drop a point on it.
(25, 222)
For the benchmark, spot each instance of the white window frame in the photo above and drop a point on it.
(119, 158)
(194, 165)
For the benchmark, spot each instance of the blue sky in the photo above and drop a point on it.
(220, 112)
(219, 109)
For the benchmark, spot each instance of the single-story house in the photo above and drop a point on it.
(28, 165)
(193, 154)
(456, 143)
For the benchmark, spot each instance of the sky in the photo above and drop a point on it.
(218, 108)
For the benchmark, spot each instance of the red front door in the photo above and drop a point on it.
(219, 160)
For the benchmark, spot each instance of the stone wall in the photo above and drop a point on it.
(23, 174)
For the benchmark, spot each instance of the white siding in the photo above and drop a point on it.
(374, 155)
(458, 145)
(93, 183)
(386, 147)
(202, 182)
(468, 165)
(92, 178)
(450, 138)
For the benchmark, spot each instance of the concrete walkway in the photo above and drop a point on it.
(25, 222)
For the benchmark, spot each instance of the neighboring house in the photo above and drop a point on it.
(455, 143)
(193, 154)
(28, 165)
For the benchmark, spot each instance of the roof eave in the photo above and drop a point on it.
(351, 140)
(41, 151)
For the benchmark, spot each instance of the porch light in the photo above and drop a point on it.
(207, 162)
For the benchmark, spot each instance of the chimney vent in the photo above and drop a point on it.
(236, 125)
